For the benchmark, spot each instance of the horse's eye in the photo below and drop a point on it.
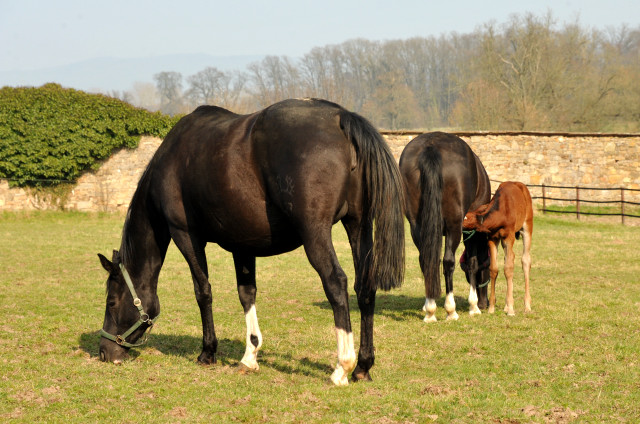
(111, 304)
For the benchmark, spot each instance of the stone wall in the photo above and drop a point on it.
(603, 161)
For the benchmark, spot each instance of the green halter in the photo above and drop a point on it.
(144, 318)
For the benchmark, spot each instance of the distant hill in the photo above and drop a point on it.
(106, 74)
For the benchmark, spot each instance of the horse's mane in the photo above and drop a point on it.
(137, 201)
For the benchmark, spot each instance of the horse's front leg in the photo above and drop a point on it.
(194, 254)
(473, 293)
(245, 267)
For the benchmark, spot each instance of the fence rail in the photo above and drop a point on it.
(578, 200)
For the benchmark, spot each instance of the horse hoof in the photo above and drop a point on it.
(339, 377)
(207, 358)
(431, 318)
(244, 369)
(360, 375)
(475, 312)
(491, 309)
(453, 316)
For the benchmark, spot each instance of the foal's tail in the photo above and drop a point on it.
(384, 201)
(430, 219)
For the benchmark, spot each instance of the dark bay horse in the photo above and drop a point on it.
(260, 185)
(508, 216)
(443, 179)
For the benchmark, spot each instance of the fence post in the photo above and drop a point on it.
(544, 201)
(622, 204)
(578, 203)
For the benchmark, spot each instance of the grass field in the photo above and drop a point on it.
(576, 358)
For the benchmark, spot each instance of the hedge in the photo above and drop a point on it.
(51, 134)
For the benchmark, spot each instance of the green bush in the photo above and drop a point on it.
(52, 134)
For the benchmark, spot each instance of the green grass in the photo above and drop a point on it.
(575, 358)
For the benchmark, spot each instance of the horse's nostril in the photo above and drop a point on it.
(103, 357)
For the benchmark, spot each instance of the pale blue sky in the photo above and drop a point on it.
(37, 34)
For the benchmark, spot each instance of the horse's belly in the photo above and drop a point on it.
(258, 234)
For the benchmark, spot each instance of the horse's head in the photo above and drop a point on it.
(128, 314)
(475, 262)
(474, 219)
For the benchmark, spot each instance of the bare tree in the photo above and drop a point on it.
(145, 95)
(274, 79)
(392, 105)
(169, 86)
(212, 86)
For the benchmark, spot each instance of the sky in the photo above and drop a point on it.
(45, 34)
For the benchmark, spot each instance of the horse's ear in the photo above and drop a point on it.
(106, 263)
(115, 257)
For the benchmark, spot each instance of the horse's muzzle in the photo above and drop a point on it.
(112, 352)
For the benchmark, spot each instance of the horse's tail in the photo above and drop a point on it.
(383, 201)
(430, 219)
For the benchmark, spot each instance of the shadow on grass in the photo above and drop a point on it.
(168, 344)
(229, 353)
(399, 307)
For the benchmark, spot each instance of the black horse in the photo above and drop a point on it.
(443, 179)
(260, 185)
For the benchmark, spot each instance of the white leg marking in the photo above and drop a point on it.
(473, 301)
(346, 358)
(450, 307)
(430, 308)
(250, 358)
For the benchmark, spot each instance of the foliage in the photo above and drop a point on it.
(573, 359)
(52, 134)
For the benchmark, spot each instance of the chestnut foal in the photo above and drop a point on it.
(505, 218)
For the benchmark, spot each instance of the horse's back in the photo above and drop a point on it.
(248, 180)
(514, 200)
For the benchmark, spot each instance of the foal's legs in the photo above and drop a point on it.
(193, 251)
(322, 256)
(493, 273)
(509, 259)
(245, 266)
(526, 264)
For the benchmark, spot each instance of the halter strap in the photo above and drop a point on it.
(468, 234)
(144, 317)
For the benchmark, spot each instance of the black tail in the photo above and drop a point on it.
(384, 201)
(430, 219)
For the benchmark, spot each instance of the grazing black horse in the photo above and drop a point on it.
(443, 179)
(260, 185)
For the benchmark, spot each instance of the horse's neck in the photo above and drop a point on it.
(144, 244)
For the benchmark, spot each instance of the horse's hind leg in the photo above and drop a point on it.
(361, 241)
(193, 252)
(245, 266)
(526, 264)
(322, 256)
